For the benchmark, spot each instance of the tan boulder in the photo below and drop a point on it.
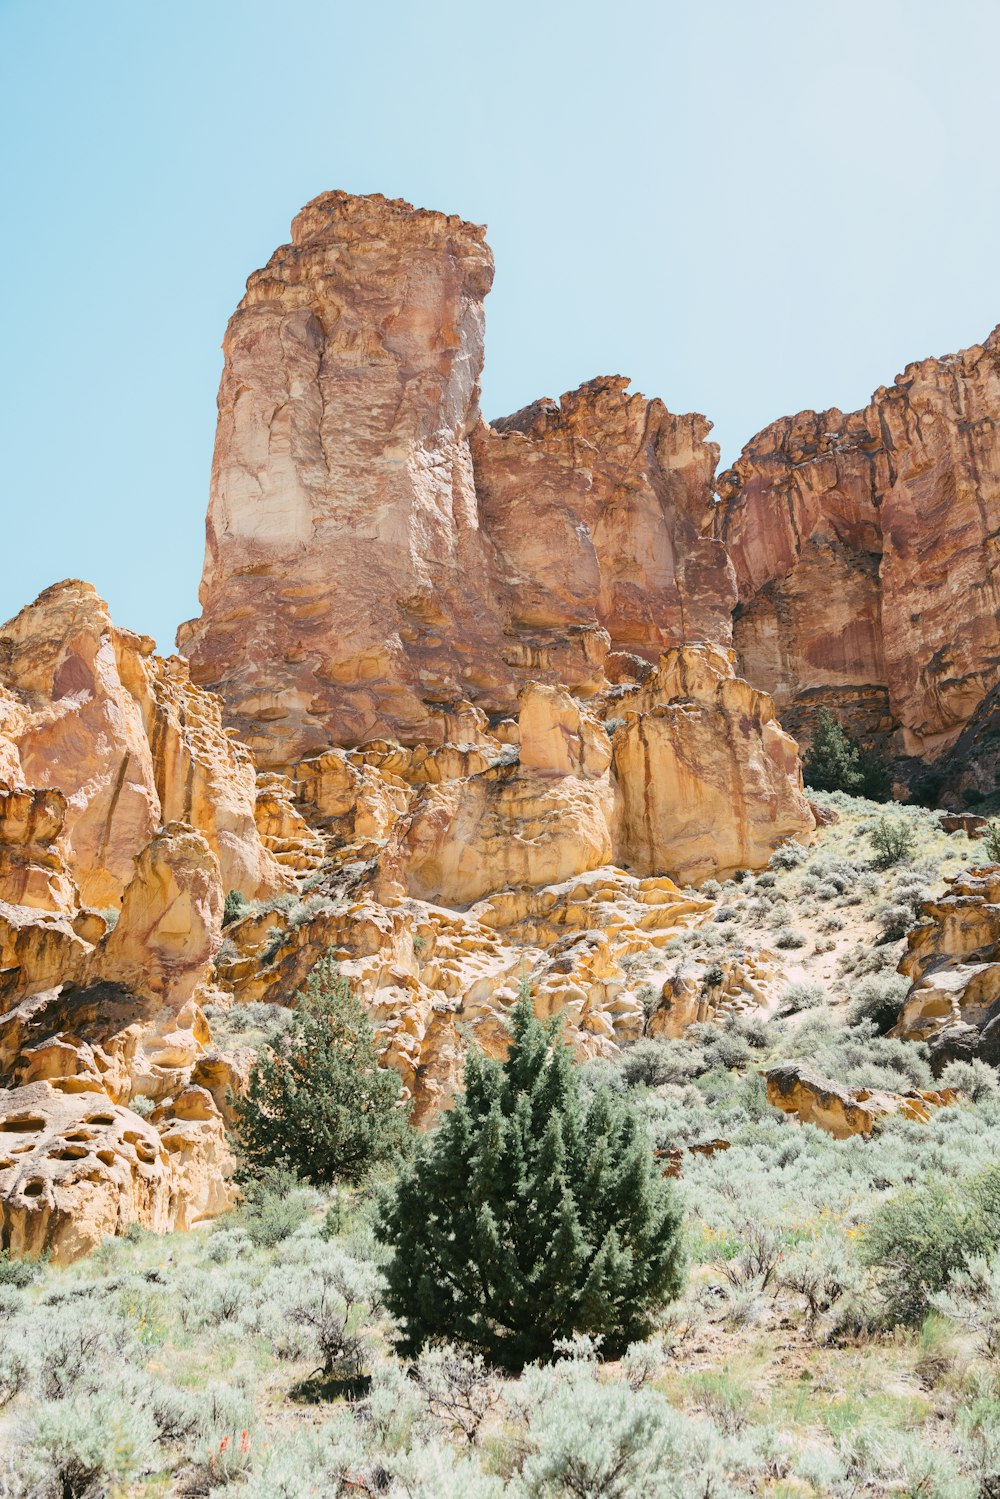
(356, 801)
(556, 734)
(708, 782)
(953, 958)
(464, 839)
(74, 1167)
(841, 1111)
(201, 1164)
(171, 920)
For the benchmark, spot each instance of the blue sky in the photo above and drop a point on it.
(749, 208)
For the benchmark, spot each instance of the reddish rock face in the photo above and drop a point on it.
(596, 506)
(865, 549)
(375, 551)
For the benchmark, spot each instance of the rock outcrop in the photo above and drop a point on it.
(75, 1167)
(841, 1111)
(953, 961)
(865, 550)
(709, 783)
(375, 551)
(91, 715)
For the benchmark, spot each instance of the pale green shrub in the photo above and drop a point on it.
(974, 1079)
(79, 1447)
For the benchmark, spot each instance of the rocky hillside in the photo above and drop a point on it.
(475, 721)
(488, 712)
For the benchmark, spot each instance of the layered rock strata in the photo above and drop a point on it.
(376, 551)
(90, 715)
(953, 961)
(865, 549)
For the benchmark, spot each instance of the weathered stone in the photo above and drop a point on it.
(865, 551)
(127, 741)
(708, 781)
(171, 920)
(841, 1111)
(75, 1167)
(953, 958)
(375, 550)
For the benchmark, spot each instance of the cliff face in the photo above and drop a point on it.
(865, 549)
(375, 551)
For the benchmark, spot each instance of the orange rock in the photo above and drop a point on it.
(127, 741)
(708, 782)
(171, 920)
(74, 1168)
(841, 1111)
(375, 550)
(863, 548)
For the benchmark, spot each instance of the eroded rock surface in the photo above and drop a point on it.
(865, 553)
(841, 1111)
(90, 714)
(953, 961)
(75, 1167)
(375, 550)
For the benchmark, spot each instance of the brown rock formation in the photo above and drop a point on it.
(953, 960)
(865, 553)
(358, 573)
(708, 781)
(171, 920)
(841, 1111)
(596, 505)
(75, 1167)
(90, 713)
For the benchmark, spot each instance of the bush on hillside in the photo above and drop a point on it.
(893, 840)
(317, 1101)
(991, 840)
(919, 1237)
(531, 1215)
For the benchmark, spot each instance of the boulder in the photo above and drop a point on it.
(708, 782)
(840, 1111)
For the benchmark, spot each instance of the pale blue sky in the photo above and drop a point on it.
(749, 208)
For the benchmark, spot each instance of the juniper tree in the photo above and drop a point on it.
(531, 1214)
(831, 762)
(835, 761)
(317, 1100)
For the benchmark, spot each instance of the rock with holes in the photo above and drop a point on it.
(193, 1134)
(74, 1167)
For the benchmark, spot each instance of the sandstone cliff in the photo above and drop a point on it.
(865, 553)
(375, 551)
(88, 712)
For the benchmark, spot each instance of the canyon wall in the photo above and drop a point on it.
(375, 551)
(865, 549)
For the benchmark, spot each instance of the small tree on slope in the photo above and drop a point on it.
(529, 1215)
(317, 1100)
